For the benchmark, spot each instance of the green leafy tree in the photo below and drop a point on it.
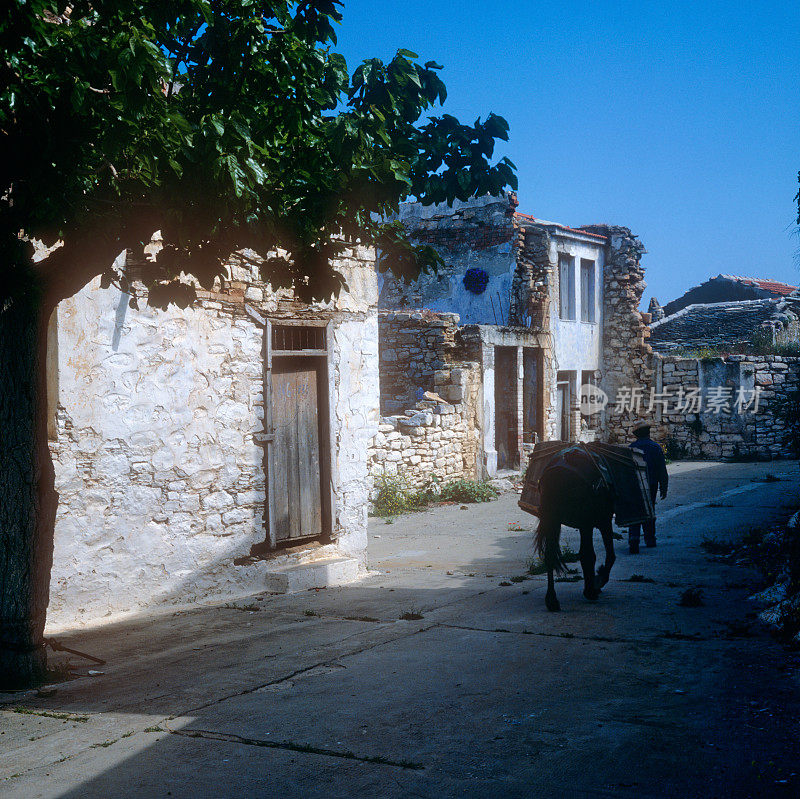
(228, 126)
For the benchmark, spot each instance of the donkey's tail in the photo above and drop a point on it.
(547, 539)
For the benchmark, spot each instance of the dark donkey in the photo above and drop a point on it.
(575, 491)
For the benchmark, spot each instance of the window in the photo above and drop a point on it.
(294, 338)
(588, 299)
(566, 286)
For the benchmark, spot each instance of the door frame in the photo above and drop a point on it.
(323, 357)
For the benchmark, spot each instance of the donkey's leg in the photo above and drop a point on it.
(607, 531)
(587, 556)
(549, 533)
(550, 598)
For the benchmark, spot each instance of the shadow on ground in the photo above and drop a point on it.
(478, 692)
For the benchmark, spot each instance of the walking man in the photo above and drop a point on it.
(656, 476)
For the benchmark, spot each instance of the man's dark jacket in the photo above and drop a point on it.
(656, 464)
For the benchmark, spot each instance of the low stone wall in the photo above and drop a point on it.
(726, 425)
(438, 438)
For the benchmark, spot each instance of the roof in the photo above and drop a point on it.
(729, 288)
(714, 323)
(560, 226)
(767, 284)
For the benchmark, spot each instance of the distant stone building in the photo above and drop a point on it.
(735, 324)
(730, 288)
(215, 450)
(524, 313)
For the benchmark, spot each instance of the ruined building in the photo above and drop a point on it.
(501, 339)
(736, 325)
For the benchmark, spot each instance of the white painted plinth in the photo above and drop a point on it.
(325, 573)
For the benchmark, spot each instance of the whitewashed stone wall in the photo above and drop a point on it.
(158, 466)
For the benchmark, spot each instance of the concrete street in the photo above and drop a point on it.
(479, 692)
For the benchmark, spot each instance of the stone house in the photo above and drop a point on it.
(727, 288)
(215, 450)
(533, 311)
(735, 324)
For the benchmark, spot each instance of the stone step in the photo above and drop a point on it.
(324, 573)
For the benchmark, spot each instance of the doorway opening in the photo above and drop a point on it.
(532, 396)
(565, 393)
(506, 407)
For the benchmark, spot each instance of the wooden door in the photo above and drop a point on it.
(296, 478)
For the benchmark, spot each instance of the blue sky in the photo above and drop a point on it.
(678, 120)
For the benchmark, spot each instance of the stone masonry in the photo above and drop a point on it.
(732, 433)
(429, 400)
(626, 353)
(413, 346)
(159, 442)
(436, 440)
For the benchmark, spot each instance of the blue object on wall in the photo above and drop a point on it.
(476, 280)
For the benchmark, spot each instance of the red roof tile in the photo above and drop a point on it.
(563, 227)
(773, 286)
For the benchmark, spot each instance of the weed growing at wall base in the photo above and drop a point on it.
(393, 495)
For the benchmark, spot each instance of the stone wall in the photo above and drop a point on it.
(158, 453)
(733, 432)
(532, 286)
(626, 355)
(436, 438)
(413, 346)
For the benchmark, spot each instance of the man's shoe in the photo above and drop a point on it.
(633, 549)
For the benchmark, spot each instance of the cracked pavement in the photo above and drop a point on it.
(329, 693)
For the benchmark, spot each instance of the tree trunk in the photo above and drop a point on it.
(28, 499)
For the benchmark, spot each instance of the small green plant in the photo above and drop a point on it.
(568, 555)
(762, 343)
(536, 566)
(27, 711)
(309, 612)
(411, 615)
(468, 491)
(393, 497)
(673, 450)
